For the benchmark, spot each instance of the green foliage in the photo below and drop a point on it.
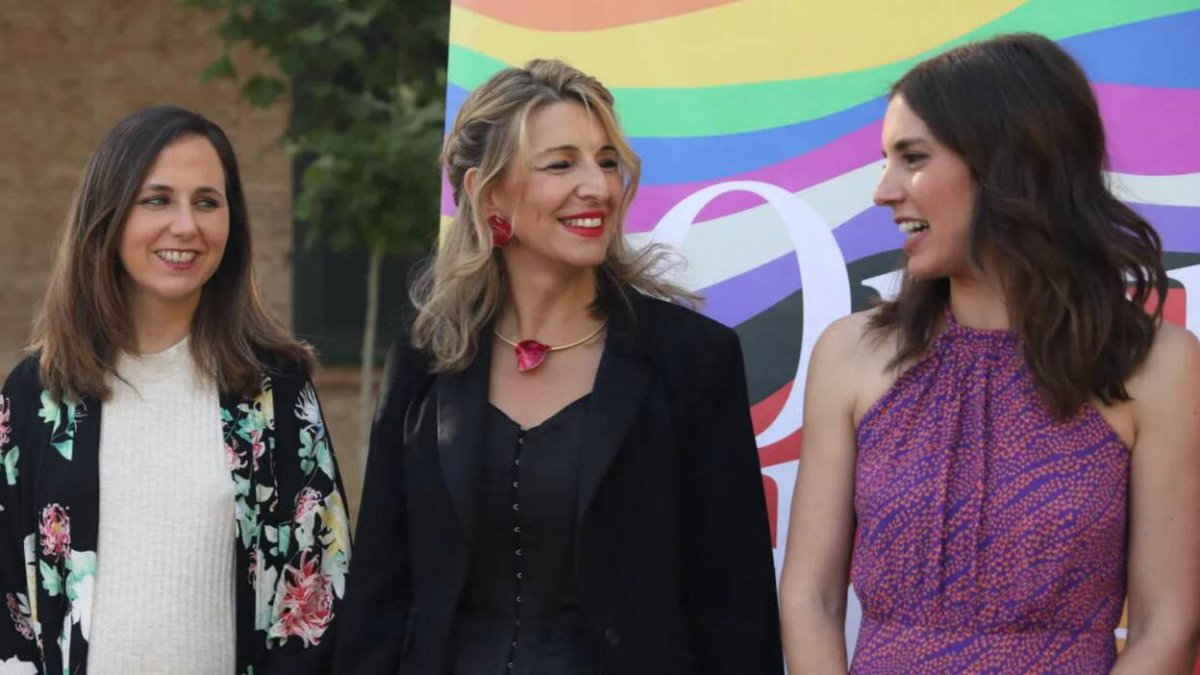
(367, 80)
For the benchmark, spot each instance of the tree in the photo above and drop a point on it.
(367, 79)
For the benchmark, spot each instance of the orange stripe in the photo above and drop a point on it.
(557, 15)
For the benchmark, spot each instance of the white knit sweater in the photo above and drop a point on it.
(164, 579)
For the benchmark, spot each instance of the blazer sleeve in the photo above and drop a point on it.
(376, 624)
(313, 582)
(18, 624)
(731, 568)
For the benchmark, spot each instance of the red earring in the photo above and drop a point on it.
(501, 230)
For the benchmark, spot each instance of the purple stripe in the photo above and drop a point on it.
(739, 298)
(1179, 226)
(829, 161)
(449, 208)
(746, 295)
(1153, 132)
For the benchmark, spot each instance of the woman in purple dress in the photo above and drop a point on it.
(1014, 440)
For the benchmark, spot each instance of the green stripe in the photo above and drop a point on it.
(710, 111)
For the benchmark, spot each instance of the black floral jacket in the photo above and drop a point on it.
(293, 536)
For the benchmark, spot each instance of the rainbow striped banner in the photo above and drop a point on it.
(758, 124)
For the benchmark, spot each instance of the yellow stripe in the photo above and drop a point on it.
(773, 39)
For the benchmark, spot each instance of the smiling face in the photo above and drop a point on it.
(563, 191)
(174, 237)
(931, 192)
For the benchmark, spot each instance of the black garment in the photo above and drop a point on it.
(279, 456)
(672, 544)
(520, 612)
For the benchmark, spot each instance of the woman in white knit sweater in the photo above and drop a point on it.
(169, 500)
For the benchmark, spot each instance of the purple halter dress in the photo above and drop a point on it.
(991, 536)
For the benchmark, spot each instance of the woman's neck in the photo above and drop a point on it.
(159, 325)
(550, 308)
(978, 302)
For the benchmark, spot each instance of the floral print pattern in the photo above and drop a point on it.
(305, 606)
(55, 529)
(307, 503)
(314, 443)
(300, 570)
(15, 666)
(8, 456)
(65, 417)
(293, 537)
(21, 614)
(5, 424)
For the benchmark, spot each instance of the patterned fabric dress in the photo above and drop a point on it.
(991, 537)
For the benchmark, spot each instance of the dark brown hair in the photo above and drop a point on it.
(83, 323)
(1019, 111)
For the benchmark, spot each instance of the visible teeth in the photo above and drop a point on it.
(913, 226)
(583, 222)
(176, 256)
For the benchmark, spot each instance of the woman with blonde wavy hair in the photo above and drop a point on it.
(563, 476)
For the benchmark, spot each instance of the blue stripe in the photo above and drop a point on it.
(1162, 52)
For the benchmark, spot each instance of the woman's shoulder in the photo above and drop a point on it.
(852, 361)
(677, 323)
(25, 376)
(856, 338)
(1171, 365)
(282, 367)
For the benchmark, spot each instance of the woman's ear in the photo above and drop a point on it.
(491, 202)
(469, 179)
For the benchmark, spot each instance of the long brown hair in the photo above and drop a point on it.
(83, 323)
(462, 289)
(1019, 111)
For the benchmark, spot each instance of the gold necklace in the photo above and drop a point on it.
(531, 353)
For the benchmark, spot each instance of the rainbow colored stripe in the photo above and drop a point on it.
(791, 94)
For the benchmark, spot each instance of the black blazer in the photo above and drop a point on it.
(673, 548)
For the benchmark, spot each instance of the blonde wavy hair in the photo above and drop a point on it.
(461, 290)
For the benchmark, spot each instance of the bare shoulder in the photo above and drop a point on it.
(1165, 392)
(851, 342)
(1171, 369)
(850, 362)
(1173, 344)
(845, 335)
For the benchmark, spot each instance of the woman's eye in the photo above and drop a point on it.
(208, 204)
(156, 200)
(913, 157)
(559, 166)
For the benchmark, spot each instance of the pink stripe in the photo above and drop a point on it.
(828, 161)
(449, 208)
(1151, 131)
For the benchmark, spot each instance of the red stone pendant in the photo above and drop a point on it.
(530, 354)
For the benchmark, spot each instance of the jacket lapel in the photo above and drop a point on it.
(617, 394)
(461, 413)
